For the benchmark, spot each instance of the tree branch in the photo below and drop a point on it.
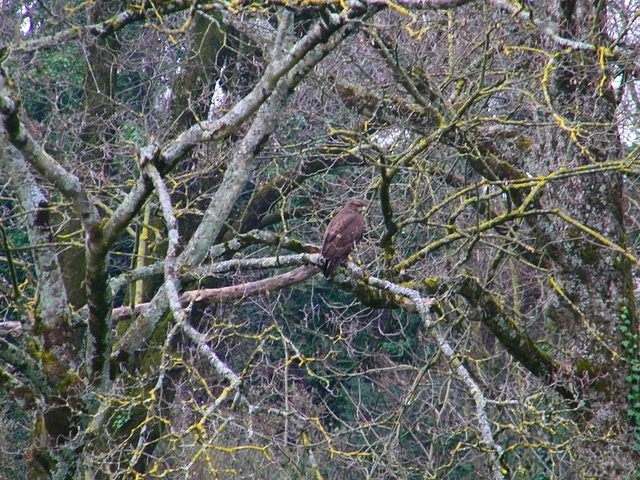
(513, 339)
(423, 305)
(278, 81)
(235, 292)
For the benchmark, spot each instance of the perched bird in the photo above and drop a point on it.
(343, 233)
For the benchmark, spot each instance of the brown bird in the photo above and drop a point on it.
(343, 233)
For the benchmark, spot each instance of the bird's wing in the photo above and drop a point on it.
(343, 231)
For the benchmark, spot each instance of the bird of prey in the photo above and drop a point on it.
(343, 233)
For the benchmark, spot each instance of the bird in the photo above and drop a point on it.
(343, 233)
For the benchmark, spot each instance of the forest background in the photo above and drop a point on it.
(167, 171)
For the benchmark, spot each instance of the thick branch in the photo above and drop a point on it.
(67, 183)
(282, 75)
(53, 304)
(70, 186)
(235, 292)
(516, 341)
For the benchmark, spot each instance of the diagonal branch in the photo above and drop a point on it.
(492, 449)
(279, 80)
(520, 345)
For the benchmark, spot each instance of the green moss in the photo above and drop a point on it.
(591, 254)
(573, 233)
(430, 284)
(70, 380)
(523, 143)
(597, 379)
(583, 366)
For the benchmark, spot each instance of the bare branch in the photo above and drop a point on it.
(235, 292)
(493, 450)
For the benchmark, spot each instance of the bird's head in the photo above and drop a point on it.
(357, 204)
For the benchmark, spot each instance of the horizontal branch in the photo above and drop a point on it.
(225, 249)
(395, 4)
(516, 341)
(117, 22)
(518, 10)
(473, 231)
(234, 292)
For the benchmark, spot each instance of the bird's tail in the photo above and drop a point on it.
(330, 266)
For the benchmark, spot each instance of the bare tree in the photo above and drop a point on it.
(168, 170)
